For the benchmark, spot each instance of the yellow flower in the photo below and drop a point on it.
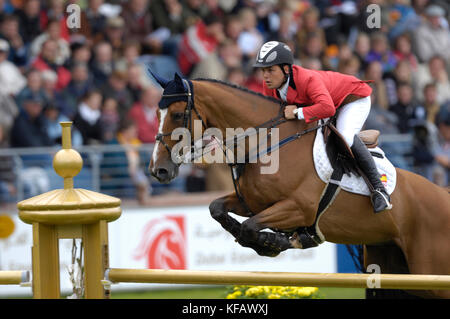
(234, 295)
(274, 296)
(252, 292)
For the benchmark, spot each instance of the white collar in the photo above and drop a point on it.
(89, 115)
(283, 90)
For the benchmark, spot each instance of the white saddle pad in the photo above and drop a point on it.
(353, 184)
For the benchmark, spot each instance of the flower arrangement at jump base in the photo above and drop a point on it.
(272, 292)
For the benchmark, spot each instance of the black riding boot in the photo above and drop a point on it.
(379, 197)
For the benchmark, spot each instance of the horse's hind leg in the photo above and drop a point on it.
(219, 209)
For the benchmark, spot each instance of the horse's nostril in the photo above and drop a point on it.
(162, 173)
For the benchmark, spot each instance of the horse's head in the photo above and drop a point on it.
(174, 112)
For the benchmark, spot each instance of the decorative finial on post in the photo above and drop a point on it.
(67, 162)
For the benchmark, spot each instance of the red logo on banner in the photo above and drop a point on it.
(163, 243)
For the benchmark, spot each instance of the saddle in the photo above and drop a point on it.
(339, 152)
(343, 162)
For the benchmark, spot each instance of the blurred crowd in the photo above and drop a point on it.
(92, 70)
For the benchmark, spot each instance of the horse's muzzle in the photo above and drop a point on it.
(165, 173)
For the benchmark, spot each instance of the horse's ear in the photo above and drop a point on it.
(163, 82)
(178, 79)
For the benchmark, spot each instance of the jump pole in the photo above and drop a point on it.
(14, 277)
(387, 281)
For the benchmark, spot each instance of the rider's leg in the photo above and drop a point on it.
(349, 122)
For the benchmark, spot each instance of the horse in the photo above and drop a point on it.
(418, 225)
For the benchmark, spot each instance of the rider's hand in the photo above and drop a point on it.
(289, 112)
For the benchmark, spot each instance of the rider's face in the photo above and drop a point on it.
(273, 76)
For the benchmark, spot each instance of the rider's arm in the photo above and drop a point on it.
(323, 105)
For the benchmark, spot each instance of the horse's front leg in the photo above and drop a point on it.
(283, 215)
(219, 210)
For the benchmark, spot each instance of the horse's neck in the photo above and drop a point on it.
(231, 108)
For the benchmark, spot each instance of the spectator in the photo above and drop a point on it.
(250, 39)
(53, 117)
(47, 60)
(136, 79)
(217, 64)
(52, 32)
(198, 42)
(255, 81)
(407, 111)
(9, 30)
(93, 21)
(80, 83)
(402, 50)
(402, 18)
(197, 9)
(29, 20)
(32, 88)
(8, 112)
(431, 38)
(109, 120)
(374, 73)
(116, 88)
(144, 114)
(287, 27)
(114, 34)
(29, 127)
(434, 71)
(55, 11)
(424, 148)
(362, 49)
(402, 74)
(236, 76)
(11, 79)
(380, 51)
(87, 118)
(169, 14)
(233, 27)
(350, 66)
(80, 54)
(310, 26)
(430, 103)
(102, 64)
(312, 63)
(138, 19)
(314, 49)
(127, 137)
(130, 55)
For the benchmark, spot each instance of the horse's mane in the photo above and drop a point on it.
(234, 86)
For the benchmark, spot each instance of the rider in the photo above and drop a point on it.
(324, 92)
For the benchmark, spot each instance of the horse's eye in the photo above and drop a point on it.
(177, 116)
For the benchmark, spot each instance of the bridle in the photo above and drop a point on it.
(187, 117)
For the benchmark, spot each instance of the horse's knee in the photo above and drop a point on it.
(216, 209)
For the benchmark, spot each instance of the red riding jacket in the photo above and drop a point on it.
(322, 91)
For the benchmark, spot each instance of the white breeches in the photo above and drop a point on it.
(351, 118)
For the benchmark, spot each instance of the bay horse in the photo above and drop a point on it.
(418, 224)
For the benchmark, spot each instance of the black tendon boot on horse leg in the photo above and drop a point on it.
(257, 242)
(379, 197)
